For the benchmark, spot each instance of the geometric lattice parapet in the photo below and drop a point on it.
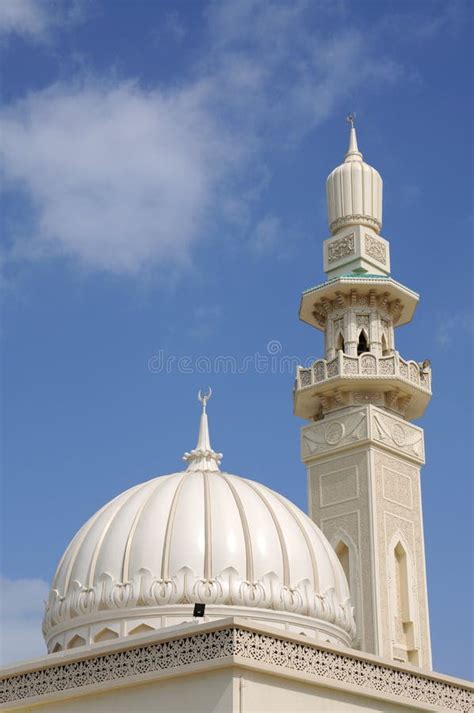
(237, 643)
(404, 386)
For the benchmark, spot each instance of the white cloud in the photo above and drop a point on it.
(24, 17)
(34, 20)
(21, 612)
(122, 178)
(118, 176)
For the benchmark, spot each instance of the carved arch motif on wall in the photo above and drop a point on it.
(345, 547)
(403, 603)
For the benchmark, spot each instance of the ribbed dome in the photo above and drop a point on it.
(201, 535)
(354, 192)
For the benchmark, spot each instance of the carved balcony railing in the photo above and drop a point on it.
(364, 367)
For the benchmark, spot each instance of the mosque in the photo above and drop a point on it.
(206, 591)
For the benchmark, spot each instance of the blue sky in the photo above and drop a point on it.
(163, 175)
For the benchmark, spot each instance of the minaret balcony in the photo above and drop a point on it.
(388, 381)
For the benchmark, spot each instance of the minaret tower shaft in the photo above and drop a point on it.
(363, 456)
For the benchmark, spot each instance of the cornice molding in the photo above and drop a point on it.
(229, 642)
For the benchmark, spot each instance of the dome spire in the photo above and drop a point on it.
(353, 153)
(203, 457)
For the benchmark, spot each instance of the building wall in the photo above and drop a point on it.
(399, 524)
(224, 691)
(261, 693)
(207, 692)
(232, 666)
(364, 491)
(340, 506)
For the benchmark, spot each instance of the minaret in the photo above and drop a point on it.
(363, 455)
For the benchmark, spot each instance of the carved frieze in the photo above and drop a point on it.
(305, 377)
(398, 434)
(332, 368)
(355, 220)
(368, 397)
(341, 248)
(350, 365)
(323, 436)
(362, 321)
(318, 371)
(387, 365)
(375, 248)
(368, 364)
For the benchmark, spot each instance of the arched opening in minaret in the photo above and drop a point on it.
(362, 344)
(385, 349)
(340, 342)
(342, 552)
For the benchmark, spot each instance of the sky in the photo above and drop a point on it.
(163, 207)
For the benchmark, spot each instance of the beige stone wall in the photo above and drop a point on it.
(207, 692)
(399, 519)
(261, 693)
(339, 502)
(364, 489)
(227, 691)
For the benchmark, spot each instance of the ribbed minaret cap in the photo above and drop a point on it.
(203, 457)
(354, 190)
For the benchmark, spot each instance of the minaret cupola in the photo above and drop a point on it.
(354, 202)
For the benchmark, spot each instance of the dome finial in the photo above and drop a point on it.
(350, 118)
(204, 398)
(203, 457)
(353, 153)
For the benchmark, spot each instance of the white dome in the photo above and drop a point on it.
(354, 192)
(201, 535)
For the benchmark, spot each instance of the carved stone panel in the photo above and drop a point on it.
(398, 433)
(326, 435)
(341, 248)
(397, 488)
(339, 487)
(362, 321)
(376, 249)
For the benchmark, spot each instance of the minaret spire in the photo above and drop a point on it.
(203, 457)
(353, 153)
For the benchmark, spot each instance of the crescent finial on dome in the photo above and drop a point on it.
(203, 457)
(353, 153)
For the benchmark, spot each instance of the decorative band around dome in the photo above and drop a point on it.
(146, 595)
(345, 220)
